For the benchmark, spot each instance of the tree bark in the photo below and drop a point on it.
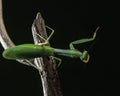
(49, 75)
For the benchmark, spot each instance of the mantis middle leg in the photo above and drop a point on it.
(58, 59)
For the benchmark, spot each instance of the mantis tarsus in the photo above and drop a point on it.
(29, 51)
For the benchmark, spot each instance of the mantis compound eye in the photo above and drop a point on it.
(85, 57)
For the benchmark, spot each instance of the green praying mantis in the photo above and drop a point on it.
(29, 51)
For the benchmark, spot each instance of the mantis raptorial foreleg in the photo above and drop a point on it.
(71, 45)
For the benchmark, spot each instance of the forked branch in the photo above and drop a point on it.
(49, 76)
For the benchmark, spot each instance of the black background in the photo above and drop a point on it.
(71, 20)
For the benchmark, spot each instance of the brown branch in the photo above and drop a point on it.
(49, 75)
(4, 38)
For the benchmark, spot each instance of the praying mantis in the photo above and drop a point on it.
(29, 51)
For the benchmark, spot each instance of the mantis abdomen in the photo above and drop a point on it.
(28, 51)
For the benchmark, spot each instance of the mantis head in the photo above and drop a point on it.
(85, 56)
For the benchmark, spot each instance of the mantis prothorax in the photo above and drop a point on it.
(29, 51)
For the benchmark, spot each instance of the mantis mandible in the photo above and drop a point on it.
(29, 51)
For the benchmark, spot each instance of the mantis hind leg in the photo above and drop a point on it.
(46, 40)
(50, 34)
(71, 45)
